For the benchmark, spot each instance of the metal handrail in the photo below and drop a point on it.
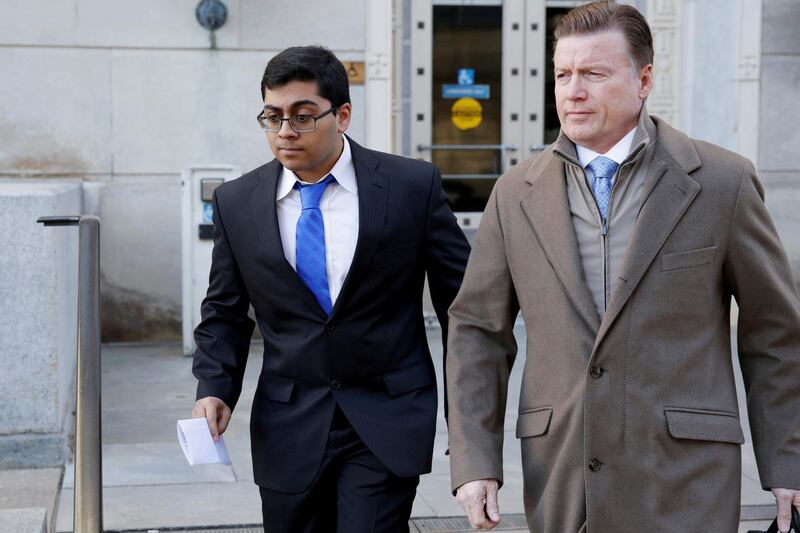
(501, 147)
(88, 512)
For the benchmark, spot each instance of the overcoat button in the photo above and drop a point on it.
(594, 465)
(336, 385)
(596, 371)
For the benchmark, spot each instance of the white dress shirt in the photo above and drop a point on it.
(339, 206)
(618, 153)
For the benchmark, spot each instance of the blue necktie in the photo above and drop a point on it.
(603, 169)
(310, 242)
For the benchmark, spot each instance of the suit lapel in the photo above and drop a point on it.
(373, 195)
(265, 215)
(668, 194)
(546, 206)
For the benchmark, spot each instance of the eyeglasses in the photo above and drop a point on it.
(299, 123)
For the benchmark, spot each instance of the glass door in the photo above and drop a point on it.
(466, 113)
(476, 92)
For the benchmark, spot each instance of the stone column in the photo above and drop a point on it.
(664, 17)
(380, 27)
(779, 135)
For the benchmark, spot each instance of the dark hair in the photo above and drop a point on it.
(309, 63)
(608, 15)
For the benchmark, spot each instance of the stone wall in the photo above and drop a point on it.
(123, 95)
(779, 147)
(38, 325)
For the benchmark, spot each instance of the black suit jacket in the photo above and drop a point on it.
(370, 356)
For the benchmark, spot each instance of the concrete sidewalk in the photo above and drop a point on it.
(149, 485)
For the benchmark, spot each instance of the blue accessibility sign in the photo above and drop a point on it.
(208, 213)
(479, 92)
(466, 76)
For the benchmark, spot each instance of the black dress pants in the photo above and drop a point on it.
(352, 493)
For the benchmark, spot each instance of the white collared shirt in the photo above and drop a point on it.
(618, 153)
(339, 206)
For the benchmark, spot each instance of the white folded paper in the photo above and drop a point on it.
(198, 445)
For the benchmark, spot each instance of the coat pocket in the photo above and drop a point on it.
(704, 424)
(275, 388)
(408, 379)
(688, 259)
(399, 254)
(534, 422)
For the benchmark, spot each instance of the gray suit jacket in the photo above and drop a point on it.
(630, 424)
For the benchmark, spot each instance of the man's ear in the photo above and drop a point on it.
(343, 115)
(645, 76)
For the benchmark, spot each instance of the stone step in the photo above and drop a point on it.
(30, 520)
(35, 488)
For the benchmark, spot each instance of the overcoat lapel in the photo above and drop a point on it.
(265, 215)
(546, 207)
(669, 192)
(373, 194)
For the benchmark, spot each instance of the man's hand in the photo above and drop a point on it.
(215, 411)
(785, 498)
(479, 500)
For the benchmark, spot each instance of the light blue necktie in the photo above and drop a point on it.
(310, 242)
(603, 169)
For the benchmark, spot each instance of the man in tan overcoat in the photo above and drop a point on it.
(622, 245)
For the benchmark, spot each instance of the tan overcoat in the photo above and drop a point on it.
(630, 423)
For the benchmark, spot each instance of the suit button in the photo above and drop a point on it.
(594, 465)
(331, 326)
(596, 371)
(336, 385)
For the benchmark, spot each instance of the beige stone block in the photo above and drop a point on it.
(56, 111)
(39, 284)
(140, 243)
(358, 122)
(38, 22)
(140, 257)
(151, 23)
(780, 27)
(176, 108)
(782, 199)
(780, 107)
(340, 25)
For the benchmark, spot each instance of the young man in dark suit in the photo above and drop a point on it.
(330, 243)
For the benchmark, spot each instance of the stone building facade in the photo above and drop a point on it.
(121, 96)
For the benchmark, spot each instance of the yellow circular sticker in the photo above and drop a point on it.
(467, 113)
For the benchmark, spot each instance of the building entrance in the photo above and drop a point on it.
(481, 90)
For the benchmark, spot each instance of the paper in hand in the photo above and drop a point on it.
(198, 445)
